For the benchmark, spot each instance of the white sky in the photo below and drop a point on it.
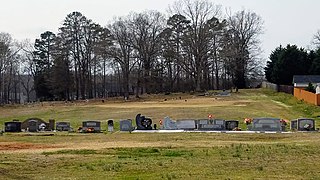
(285, 21)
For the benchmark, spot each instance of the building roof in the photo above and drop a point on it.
(306, 79)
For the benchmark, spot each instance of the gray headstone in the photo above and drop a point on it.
(186, 124)
(126, 125)
(169, 124)
(206, 124)
(266, 124)
(224, 93)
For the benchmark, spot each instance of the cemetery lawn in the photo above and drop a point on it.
(122, 155)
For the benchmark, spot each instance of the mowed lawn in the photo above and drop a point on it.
(122, 155)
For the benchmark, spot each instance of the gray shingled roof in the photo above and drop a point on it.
(306, 79)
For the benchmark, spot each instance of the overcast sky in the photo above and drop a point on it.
(285, 21)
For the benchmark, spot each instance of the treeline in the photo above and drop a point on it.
(285, 62)
(196, 48)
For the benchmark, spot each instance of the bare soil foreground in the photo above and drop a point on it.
(122, 155)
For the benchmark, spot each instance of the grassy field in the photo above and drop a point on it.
(122, 155)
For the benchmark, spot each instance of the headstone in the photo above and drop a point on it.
(294, 125)
(211, 124)
(224, 93)
(50, 126)
(186, 124)
(12, 126)
(266, 124)
(25, 125)
(231, 124)
(169, 124)
(126, 125)
(91, 126)
(33, 125)
(63, 126)
(305, 124)
(143, 123)
(318, 88)
(110, 125)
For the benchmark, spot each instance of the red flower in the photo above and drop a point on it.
(247, 121)
(284, 121)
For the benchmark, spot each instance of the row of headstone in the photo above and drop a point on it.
(143, 123)
(37, 125)
(201, 124)
(303, 124)
(30, 125)
(275, 124)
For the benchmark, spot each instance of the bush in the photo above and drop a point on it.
(311, 88)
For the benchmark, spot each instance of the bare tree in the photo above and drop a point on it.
(28, 68)
(9, 66)
(243, 45)
(123, 52)
(146, 29)
(202, 15)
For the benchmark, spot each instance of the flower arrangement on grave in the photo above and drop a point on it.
(247, 121)
(284, 122)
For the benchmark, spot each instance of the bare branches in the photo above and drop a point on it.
(316, 39)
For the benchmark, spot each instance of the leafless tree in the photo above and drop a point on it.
(203, 15)
(123, 52)
(146, 28)
(27, 68)
(9, 66)
(243, 45)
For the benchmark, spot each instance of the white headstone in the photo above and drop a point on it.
(318, 88)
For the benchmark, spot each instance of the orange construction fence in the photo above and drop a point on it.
(307, 96)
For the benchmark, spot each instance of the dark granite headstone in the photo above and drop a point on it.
(305, 124)
(50, 125)
(91, 126)
(12, 126)
(231, 124)
(143, 123)
(294, 125)
(33, 125)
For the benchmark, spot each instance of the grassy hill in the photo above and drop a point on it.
(122, 155)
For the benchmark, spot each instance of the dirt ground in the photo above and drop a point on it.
(12, 146)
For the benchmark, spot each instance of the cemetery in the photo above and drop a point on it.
(145, 124)
(239, 133)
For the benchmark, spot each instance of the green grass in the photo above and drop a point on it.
(163, 156)
(234, 161)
